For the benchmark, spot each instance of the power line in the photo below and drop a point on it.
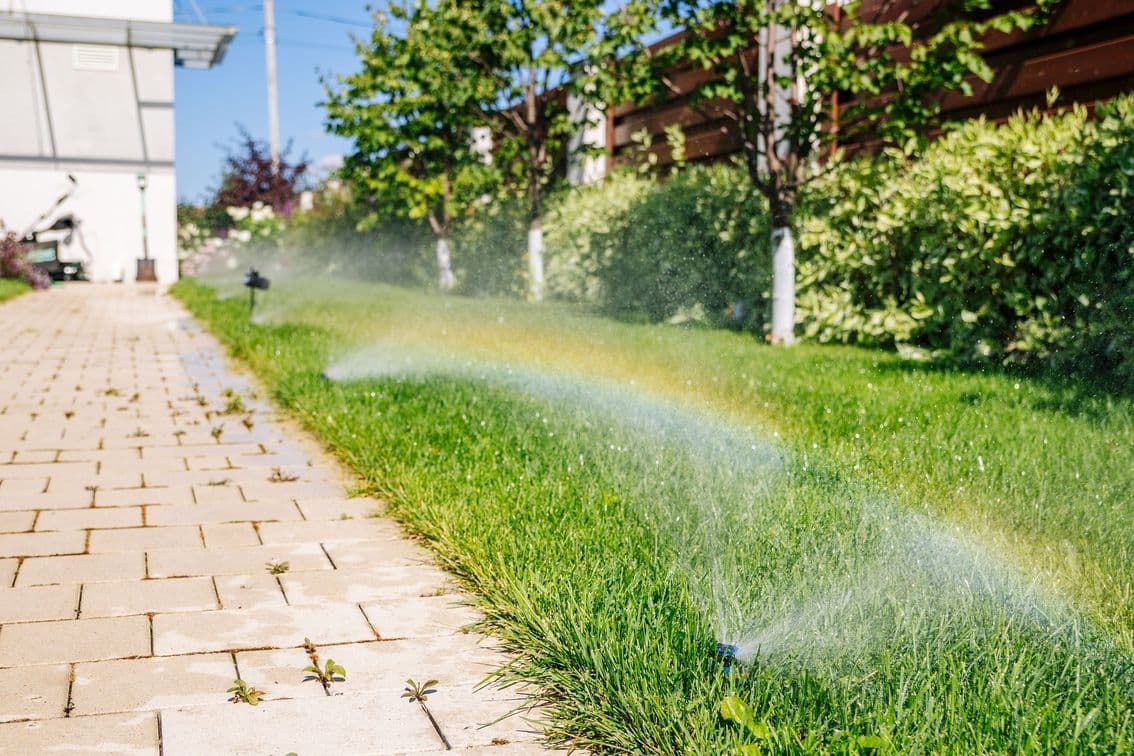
(332, 19)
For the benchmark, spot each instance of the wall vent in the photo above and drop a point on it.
(94, 57)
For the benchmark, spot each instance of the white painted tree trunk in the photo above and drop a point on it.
(535, 261)
(445, 278)
(783, 286)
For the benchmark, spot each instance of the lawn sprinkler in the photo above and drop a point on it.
(726, 652)
(253, 280)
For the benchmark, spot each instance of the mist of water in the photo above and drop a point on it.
(857, 572)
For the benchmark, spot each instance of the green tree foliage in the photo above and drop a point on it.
(533, 55)
(410, 109)
(777, 105)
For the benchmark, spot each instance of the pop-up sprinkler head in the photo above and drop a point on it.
(253, 280)
(726, 652)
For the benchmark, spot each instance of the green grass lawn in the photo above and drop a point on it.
(10, 288)
(925, 559)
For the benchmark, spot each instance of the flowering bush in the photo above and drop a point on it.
(14, 263)
(257, 223)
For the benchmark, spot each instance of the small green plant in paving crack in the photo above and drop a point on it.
(234, 404)
(242, 692)
(279, 476)
(330, 671)
(276, 567)
(217, 432)
(419, 693)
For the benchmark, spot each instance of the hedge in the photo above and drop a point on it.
(1000, 243)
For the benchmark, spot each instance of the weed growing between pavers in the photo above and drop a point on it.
(601, 548)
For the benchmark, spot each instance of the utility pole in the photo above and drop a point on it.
(273, 97)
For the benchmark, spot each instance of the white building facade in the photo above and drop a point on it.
(88, 132)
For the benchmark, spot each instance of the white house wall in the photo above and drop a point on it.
(108, 205)
(139, 10)
(103, 114)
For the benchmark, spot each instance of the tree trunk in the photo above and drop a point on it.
(783, 285)
(535, 259)
(445, 278)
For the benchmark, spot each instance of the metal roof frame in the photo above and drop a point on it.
(193, 45)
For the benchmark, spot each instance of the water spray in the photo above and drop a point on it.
(726, 652)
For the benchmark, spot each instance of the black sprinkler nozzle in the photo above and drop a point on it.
(726, 652)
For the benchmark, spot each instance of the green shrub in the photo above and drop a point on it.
(489, 249)
(578, 234)
(1009, 243)
(688, 248)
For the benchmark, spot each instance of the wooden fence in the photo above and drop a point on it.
(1086, 50)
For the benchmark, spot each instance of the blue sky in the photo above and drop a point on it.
(313, 37)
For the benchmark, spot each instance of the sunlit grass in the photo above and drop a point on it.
(10, 287)
(887, 487)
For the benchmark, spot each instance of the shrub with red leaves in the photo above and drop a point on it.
(248, 177)
(14, 263)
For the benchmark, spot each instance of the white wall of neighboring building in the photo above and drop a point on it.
(100, 113)
(589, 122)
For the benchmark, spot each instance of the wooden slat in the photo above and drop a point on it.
(1087, 50)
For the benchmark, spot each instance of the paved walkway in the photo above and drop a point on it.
(161, 534)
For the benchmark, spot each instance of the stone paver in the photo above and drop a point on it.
(26, 643)
(358, 724)
(127, 734)
(150, 684)
(136, 552)
(39, 695)
(145, 596)
(41, 602)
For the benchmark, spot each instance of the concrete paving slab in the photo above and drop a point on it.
(470, 717)
(16, 522)
(365, 584)
(124, 598)
(126, 734)
(376, 553)
(80, 519)
(44, 602)
(327, 531)
(25, 644)
(334, 508)
(41, 694)
(153, 683)
(42, 544)
(454, 660)
(365, 724)
(220, 535)
(84, 568)
(195, 514)
(145, 539)
(8, 569)
(419, 617)
(237, 560)
(259, 627)
(251, 591)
